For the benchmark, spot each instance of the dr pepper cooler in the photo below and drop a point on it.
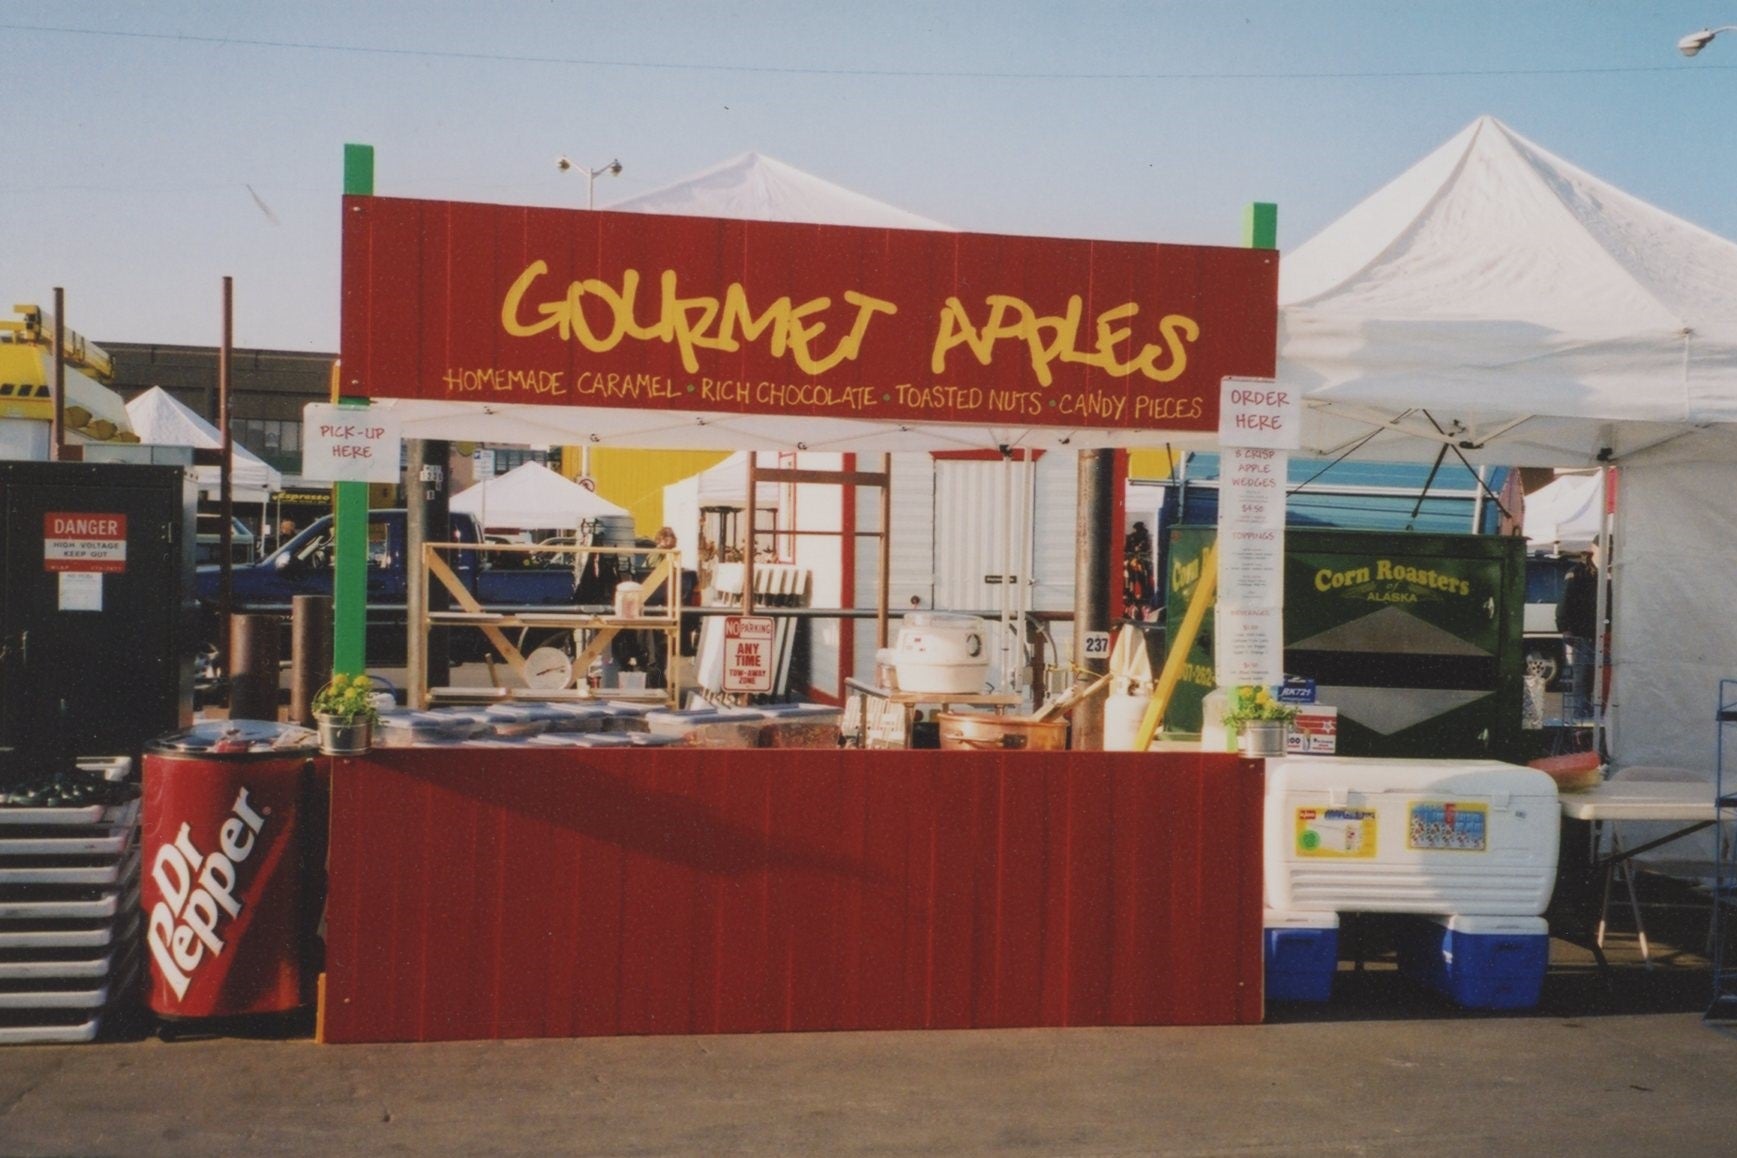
(233, 847)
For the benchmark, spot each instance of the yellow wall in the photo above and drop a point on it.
(635, 478)
(1150, 464)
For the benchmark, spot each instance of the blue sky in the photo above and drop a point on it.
(154, 148)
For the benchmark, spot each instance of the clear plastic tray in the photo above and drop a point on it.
(98, 871)
(90, 814)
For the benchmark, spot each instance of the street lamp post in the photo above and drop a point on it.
(613, 169)
(1696, 41)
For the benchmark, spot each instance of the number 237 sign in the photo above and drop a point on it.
(747, 653)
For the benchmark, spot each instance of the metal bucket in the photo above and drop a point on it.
(342, 737)
(1262, 738)
(982, 732)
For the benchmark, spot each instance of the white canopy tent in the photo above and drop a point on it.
(160, 419)
(1566, 515)
(533, 497)
(1497, 299)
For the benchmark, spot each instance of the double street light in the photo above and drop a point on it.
(613, 169)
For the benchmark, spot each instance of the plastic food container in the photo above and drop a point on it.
(709, 727)
(517, 720)
(576, 718)
(625, 717)
(800, 726)
(940, 653)
(403, 728)
(629, 600)
(471, 724)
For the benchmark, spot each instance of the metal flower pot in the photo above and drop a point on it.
(1259, 739)
(341, 736)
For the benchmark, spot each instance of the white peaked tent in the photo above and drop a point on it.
(160, 419)
(1495, 295)
(1567, 514)
(533, 497)
(755, 187)
(1499, 299)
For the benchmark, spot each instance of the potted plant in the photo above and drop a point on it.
(344, 710)
(1261, 722)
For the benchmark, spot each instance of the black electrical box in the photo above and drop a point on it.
(96, 610)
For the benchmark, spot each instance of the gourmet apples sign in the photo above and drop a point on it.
(486, 303)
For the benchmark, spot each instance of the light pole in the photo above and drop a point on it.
(613, 169)
(1696, 41)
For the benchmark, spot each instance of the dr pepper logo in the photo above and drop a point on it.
(200, 893)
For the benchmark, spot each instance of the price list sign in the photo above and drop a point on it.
(1258, 422)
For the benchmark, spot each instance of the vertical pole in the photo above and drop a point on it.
(57, 440)
(1093, 540)
(226, 496)
(350, 580)
(427, 520)
(886, 551)
(748, 550)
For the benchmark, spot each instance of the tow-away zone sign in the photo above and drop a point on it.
(747, 653)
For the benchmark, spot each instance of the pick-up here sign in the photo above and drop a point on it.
(349, 444)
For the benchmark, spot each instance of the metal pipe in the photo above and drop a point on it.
(253, 667)
(225, 496)
(310, 653)
(57, 441)
(1096, 473)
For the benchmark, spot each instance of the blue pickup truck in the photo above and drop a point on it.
(304, 566)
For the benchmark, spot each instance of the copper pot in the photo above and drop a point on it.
(983, 732)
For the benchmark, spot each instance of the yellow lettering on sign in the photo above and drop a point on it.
(700, 322)
(1055, 338)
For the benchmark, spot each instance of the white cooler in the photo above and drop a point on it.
(1439, 837)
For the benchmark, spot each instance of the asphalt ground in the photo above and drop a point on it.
(1616, 1062)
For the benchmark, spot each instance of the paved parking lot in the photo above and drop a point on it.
(1624, 1066)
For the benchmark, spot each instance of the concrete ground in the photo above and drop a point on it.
(1617, 1065)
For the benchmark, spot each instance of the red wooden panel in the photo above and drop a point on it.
(468, 302)
(492, 893)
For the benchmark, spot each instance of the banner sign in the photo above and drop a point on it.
(455, 301)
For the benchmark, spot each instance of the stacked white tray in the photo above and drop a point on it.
(69, 915)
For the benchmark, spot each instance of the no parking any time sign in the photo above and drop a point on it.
(747, 653)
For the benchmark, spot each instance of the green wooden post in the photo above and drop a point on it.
(350, 580)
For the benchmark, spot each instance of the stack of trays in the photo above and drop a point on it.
(69, 914)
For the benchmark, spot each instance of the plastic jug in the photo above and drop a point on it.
(1215, 735)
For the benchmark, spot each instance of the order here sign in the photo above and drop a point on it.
(748, 653)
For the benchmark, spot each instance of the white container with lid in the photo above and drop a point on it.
(1437, 837)
(940, 653)
(629, 600)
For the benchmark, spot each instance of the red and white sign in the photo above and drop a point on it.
(449, 301)
(84, 541)
(748, 653)
(349, 443)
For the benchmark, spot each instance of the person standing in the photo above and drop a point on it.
(1577, 620)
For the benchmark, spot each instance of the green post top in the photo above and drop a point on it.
(359, 170)
(1260, 225)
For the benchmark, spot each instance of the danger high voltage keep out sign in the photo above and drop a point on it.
(84, 541)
